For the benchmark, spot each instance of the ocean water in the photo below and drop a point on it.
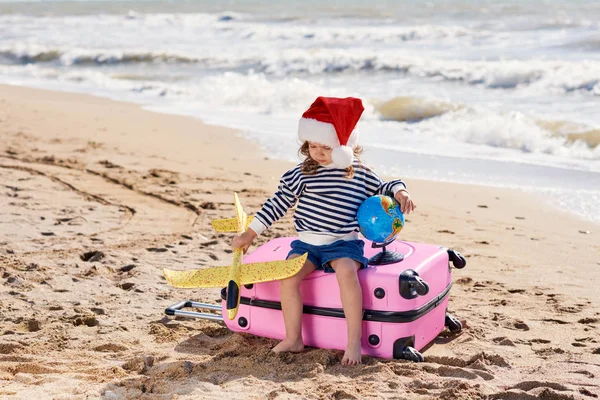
(500, 93)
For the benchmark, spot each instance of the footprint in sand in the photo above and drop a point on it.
(92, 256)
(208, 205)
(584, 372)
(529, 385)
(464, 281)
(79, 319)
(503, 341)
(110, 348)
(127, 268)
(7, 348)
(405, 370)
(498, 302)
(420, 385)
(479, 361)
(569, 309)
(108, 164)
(589, 321)
(548, 351)
(555, 321)
(216, 332)
(586, 340)
(157, 249)
(543, 341)
(31, 368)
(457, 372)
(126, 285)
(286, 391)
(536, 390)
(517, 325)
(453, 372)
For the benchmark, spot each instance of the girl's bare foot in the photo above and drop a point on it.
(352, 355)
(294, 346)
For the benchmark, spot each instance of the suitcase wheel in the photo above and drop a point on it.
(452, 324)
(457, 259)
(409, 353)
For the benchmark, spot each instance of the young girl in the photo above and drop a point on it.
(328, 187)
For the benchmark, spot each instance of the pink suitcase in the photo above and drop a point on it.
(404, 301)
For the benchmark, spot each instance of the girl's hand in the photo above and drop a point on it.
(243, 240)
(406, 203)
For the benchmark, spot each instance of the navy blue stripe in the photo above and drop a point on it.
(313, 200)
(281, 204)
(267, 213)
(313, 219)
(294, 182)
(337, 218)
(319, 227)
(325, 204)
(343, 196)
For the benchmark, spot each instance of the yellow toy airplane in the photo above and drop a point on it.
(237, 273)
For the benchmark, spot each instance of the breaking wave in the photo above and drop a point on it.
(412, 109)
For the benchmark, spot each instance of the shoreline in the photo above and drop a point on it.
(534, 191)
(100, 195)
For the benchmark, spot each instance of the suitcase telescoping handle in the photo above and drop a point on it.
(176, 309)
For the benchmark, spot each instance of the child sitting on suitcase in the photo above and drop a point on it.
(328, 187)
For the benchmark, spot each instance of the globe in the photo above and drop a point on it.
(380, 219)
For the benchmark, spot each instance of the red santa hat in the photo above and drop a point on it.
(331, 121)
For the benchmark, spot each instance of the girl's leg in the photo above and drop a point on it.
(351, 294)
(291, 305)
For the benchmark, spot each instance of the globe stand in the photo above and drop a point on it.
(385, 257)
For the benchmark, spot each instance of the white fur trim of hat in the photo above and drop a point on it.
(324, 133)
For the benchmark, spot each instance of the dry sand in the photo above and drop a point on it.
(98, 196)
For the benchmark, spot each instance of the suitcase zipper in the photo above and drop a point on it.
(368, 315)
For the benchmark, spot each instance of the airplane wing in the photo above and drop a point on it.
(271, 271)
(198, 278)
(228, 225)
(249, 273)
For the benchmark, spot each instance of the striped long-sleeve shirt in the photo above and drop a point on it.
(327, 202)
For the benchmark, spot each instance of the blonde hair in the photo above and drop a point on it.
(309, 165)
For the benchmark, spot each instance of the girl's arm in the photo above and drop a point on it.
(375, 185)
(406, 204)
(290, 189)
(395, 188)
(272, 210)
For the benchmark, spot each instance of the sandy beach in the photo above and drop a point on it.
(97, 196)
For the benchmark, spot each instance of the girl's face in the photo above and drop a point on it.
(320, 153)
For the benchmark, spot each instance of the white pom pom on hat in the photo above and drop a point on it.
(342, 156)
(331, 121)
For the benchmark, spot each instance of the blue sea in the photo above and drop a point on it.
(498, 93)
